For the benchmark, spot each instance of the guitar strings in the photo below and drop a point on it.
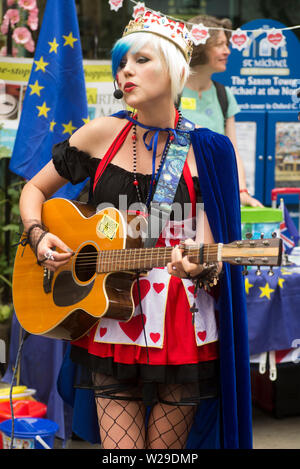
(141, 256)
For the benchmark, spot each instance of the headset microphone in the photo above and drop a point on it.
(118, 94)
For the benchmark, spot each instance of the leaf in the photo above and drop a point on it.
(5, 280)
(11, 227)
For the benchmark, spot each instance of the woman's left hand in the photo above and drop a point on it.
(180, 265)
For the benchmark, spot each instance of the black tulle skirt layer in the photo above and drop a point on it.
(171, 384)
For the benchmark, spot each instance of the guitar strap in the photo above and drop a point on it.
(161, 205)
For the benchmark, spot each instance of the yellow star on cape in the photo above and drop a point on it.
(54, 45)
(52, 125)
(69, 40)
(40, 64)
(69, 128)
(36, 88)
(280, 282)
(266, 291)
(248, 285)
(86, 120)
(43, 110)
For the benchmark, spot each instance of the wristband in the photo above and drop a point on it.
(244, 190)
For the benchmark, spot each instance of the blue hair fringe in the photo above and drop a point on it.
(120, 48)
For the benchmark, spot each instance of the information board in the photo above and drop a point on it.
(263, 75)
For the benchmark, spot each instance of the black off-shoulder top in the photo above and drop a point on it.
(75, 166)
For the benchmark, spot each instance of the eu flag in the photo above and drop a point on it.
(55, 102)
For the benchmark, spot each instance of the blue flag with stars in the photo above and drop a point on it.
(55, 102)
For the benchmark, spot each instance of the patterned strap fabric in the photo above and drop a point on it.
(161, 205)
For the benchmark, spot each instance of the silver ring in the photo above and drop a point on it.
(174, 268)
(49, 255)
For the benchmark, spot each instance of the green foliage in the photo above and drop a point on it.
(5, 312)
(10, 230)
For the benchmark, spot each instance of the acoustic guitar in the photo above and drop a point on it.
(99, 278)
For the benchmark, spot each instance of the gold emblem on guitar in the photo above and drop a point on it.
(107, 227)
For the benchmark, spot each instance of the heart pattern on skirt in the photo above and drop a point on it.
(154, 336)
(145, 286)
(202, 335)
(134, 327)
(158, 287)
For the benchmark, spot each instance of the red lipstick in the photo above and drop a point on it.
(129, 86)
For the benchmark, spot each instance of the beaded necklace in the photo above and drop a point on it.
(155, 174)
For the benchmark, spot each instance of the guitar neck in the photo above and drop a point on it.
(145, 259)
(254, 252)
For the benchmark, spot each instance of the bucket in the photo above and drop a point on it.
(22, 409)
(257, 220)
(18, 392)
(29, 433)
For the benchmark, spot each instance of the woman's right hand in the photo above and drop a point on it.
(48, 256)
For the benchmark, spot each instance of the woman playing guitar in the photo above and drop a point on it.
(184, 353)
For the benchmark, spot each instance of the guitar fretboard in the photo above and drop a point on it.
(145, 259)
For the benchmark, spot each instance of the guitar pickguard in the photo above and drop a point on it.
(66, 292)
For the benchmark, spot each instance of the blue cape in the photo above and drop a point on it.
(216, 163)
(219, 423)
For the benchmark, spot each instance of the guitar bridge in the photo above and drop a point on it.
(47, 280)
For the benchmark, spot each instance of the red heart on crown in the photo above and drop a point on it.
(102, 331)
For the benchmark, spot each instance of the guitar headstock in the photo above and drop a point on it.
(254, 252)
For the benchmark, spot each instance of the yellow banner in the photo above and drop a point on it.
(97, 73)
(15, 71)
(19, 69)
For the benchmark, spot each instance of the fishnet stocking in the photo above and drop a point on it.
(170, 423)
(122, 421)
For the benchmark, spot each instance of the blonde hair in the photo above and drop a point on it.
(171, 55)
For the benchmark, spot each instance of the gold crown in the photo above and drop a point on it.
(174, 31)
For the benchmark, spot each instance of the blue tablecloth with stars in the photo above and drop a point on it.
(273, 308)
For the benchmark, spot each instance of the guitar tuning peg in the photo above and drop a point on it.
(258, 272)
(245, 271)
(271, 273)
(262, 235)
(248, 235)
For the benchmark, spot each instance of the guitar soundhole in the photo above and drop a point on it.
(85, 264)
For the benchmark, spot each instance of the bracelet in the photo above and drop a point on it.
(244, 190)
(31, 228)
(208, 278)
